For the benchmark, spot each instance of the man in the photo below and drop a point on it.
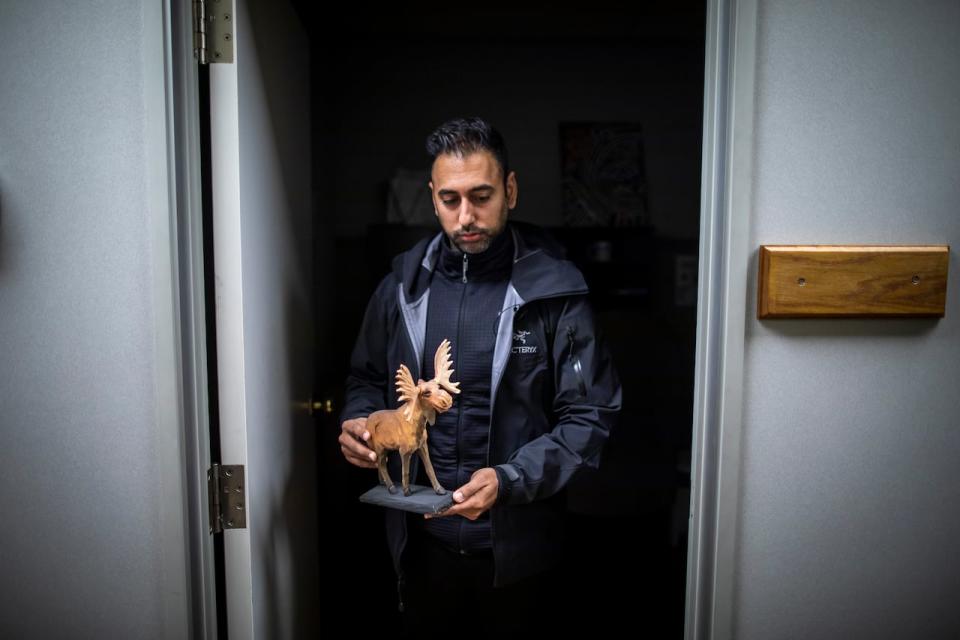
(539, 392)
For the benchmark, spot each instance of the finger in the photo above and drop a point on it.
(468, 490)
(466, 508)
(452, 510)
(483, 482)
(476, 504)
(358, 461)
(360, 432)
(464, 493)
(470, 513)
(348, 444)
(355, 447)
(358, 428)
(369, 459)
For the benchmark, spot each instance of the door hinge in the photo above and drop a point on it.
(226, 497)
(213, 31)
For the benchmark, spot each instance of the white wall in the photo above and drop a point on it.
(92, 535)
(849, 514)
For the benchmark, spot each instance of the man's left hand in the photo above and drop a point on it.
(475, 497)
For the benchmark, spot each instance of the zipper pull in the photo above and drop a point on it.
(464, 267)
(577, 367)
(571, 332)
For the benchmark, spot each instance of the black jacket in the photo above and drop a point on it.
(555, 393)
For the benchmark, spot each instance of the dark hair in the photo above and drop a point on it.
(463, 136)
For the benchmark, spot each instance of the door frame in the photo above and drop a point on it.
(218, 610)
(724, 256)
(185, 107)
(726, 202)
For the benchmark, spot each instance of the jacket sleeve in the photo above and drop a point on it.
(366, 384)
(586, 405)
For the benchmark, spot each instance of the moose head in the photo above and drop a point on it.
(433, 396)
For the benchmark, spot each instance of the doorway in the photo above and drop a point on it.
(380, 83)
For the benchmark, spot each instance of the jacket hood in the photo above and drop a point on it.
(540, 269)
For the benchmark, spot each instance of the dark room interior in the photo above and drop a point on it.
(548, 79)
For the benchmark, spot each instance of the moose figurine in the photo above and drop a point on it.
(405, 429)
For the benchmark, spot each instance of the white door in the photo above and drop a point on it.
(262, 227)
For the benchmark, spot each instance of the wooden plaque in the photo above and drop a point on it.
(852, 281)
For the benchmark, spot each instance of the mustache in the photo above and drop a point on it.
(469, 230)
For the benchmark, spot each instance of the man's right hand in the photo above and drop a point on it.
(353, 433)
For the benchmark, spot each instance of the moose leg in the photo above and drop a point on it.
(425, 456)
(405, 457)
(384, 474)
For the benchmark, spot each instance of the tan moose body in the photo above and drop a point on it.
(405, 429)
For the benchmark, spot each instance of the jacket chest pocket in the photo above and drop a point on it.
(528, 345)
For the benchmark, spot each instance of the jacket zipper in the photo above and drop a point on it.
(575, 363)
(463, 294)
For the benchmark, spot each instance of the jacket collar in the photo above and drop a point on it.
(495, 263)
(539, 268)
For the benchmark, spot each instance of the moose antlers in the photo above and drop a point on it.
(442, 370)
(408, 391)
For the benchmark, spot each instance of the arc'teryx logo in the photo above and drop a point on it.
(523, 347)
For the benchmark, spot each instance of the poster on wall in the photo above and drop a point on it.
(604, 178)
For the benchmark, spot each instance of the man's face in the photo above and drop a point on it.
(470, 199)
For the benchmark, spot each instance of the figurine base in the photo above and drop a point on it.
(421, 499)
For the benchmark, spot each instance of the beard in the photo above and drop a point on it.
(476, 246)
(483, 242)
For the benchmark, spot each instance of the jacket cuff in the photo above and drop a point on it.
(507, 475)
